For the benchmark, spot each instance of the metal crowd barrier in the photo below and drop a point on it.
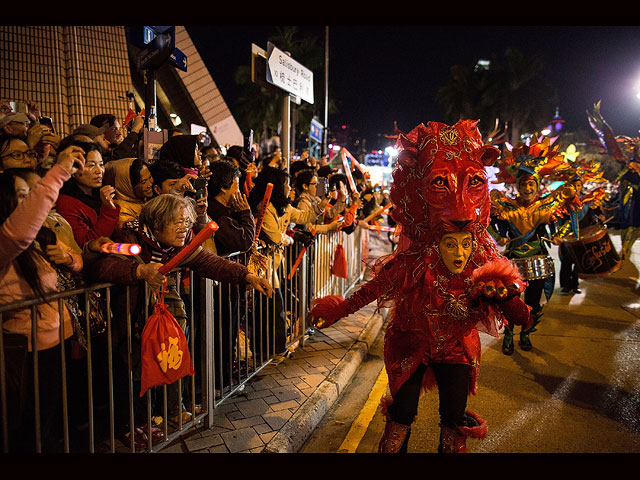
(231, 336)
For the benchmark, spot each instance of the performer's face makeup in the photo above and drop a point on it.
(455, 249)
(528, 189)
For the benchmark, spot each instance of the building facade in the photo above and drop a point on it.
(76, 72)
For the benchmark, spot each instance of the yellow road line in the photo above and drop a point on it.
(361, 423)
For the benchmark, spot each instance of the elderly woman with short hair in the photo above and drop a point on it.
(162, 229)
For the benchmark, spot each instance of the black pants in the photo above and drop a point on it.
(225, 324)
(533, 294)
(568, 269)
(21, 395)
(453, 390)
(269, 334)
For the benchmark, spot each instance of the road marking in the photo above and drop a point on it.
(361, 423)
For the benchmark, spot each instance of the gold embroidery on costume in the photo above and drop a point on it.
(450, 136)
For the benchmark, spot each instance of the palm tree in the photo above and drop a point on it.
(512, 90)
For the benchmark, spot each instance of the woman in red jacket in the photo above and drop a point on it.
(84, 202)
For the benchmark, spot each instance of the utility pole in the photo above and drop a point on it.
(326, 90)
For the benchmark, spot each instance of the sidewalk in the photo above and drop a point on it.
(280, 407)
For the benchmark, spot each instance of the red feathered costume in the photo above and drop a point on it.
(439, 187)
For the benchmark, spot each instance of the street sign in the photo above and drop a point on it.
(289, 75)
(160, 43)
(178, 59)
(315, 131)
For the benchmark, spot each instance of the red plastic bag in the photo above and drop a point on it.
(165, 352)
(339, 266)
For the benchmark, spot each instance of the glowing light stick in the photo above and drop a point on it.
(187, 250)
(355, 162)
(121, 248)
(380, 228)
(347, 169)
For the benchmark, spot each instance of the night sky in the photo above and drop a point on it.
(379, 73)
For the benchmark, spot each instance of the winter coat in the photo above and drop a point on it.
(236, 230)
(88, 218)
(117, 175)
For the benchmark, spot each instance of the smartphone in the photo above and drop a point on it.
(46, 121)
(248, 144)
(321, 188)
(199, 184)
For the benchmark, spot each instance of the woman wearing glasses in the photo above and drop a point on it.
(16, 153)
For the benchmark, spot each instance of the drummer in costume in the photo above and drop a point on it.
(445, 281)
(626, 151)
(529, 220)
(583, 212)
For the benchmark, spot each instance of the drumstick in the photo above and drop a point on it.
(198, 240)
(263, 208)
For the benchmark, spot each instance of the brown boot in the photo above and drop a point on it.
(394, 438)
(454, 440)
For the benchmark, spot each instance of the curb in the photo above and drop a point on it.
(301, 425)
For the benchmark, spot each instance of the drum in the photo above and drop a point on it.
(593, 252)
(535, 267)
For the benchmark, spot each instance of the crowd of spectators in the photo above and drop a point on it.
(63, 198)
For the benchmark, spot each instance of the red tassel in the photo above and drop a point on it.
(330, 308)
(497, 280)
(501, 269)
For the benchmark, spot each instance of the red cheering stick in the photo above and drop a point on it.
(121, 248)
(297, 262)
(263, 208)
(299, 259)
(377, 212)
(187, 250)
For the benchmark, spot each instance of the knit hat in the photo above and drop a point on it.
(13, 117)
(89, 130)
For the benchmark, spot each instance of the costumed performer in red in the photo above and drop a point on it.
(444, 282)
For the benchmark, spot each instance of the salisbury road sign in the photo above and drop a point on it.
(284, 72)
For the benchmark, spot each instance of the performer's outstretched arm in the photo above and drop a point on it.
(327, 310)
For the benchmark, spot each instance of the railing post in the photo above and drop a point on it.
(302, 295)
(208, 361)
